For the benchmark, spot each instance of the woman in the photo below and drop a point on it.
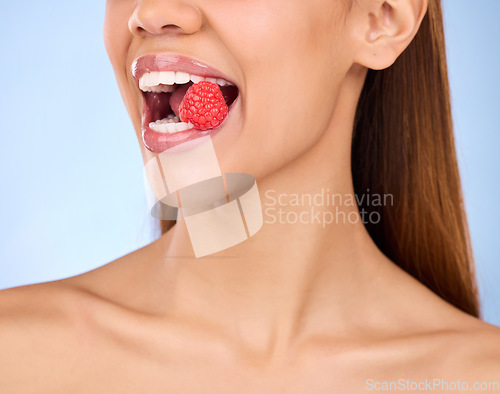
(333, 97)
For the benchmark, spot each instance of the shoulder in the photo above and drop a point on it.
(74, 302)
(33, 308)
(462, 339)
(44, 331)
(467, 346)
(431, 337)
(475, 350)
(58, 314)
(25, 307)
(467, 350)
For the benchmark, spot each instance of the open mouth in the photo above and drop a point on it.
(163, 92)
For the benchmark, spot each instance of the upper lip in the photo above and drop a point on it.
(174, 62)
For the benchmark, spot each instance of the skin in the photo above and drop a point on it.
(297, 308)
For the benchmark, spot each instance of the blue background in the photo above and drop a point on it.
(72, 195)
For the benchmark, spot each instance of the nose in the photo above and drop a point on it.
(156, 17)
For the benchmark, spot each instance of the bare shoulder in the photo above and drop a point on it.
(468, 349)
(465, 350)
(435, 338)
(62, 309)
(49, 329)
(477, 346)
(43, 334)
(30, 308)
(33, 333)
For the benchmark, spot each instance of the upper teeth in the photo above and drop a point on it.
(163, 81)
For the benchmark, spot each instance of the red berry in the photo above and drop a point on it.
(203, 105)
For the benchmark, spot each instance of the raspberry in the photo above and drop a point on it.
(203, 105)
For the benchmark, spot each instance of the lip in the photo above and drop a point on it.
(173, 62)
(157, 142)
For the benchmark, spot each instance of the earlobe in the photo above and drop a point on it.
(387, 28)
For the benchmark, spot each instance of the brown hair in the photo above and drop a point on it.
(403, 145)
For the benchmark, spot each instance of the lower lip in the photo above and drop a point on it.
(159, 142)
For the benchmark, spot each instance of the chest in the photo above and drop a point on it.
(125, 367)
(183, 373)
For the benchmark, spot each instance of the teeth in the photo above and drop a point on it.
(181, 77)
(163, 81)
(222, 82)
(197, 78)
(151, 79)
(170, 125)
(166, 77)
(159, 88)
(181, 126)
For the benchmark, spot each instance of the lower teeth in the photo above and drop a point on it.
(170, 124)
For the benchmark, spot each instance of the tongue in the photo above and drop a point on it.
(177, 96)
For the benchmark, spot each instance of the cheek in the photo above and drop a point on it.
(266, 31)
(289, 53)
(117, 37)
(285, 47)
(117, 40)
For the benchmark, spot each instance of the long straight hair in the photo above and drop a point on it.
(403, 145)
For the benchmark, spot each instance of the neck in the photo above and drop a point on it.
(312, 254)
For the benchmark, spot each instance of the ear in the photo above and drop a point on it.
(384, 29)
